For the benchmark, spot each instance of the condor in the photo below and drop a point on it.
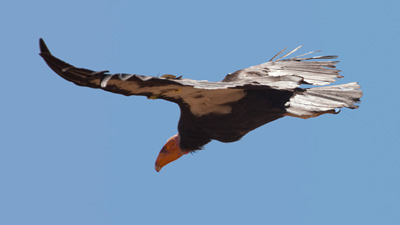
(227, 110)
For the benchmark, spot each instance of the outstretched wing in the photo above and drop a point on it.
(308, 102)
(201, 97)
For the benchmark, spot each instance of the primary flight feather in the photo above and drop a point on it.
(229, 109)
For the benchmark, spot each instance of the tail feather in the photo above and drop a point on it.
(313, 102)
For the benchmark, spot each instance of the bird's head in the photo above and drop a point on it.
(170, 152)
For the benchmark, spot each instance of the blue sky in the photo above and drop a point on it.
(73, 155)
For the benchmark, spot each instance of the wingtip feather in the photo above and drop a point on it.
(291, 52)
(43, 47)
(277, 54)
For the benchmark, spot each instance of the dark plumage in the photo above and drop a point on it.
(229, 109)
(255, 109)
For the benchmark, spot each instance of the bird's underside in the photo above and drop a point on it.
(242, 101)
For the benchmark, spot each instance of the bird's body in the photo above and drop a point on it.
(229, 109)
(255, 109)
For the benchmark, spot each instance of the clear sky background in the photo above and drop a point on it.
(73, 155)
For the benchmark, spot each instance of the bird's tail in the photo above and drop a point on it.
(312, 102)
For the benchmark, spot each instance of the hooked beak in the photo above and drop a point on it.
(167, 155)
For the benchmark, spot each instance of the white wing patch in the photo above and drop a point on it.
(316, 101)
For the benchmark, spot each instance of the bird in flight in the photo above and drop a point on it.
(228, 109)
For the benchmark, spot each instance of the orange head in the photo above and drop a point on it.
(170, 152)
